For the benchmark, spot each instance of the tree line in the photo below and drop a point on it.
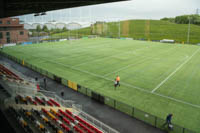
(185, 19)
(45, 31)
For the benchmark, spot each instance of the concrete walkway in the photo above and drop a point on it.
(114, 118)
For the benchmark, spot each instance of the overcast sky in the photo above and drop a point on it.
(133, 9)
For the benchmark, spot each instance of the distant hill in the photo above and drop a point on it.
(141, 29)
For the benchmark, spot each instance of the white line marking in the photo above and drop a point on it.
(127, 52)
(178, 68)
(132, 86)
(122, 83)
(104, 43)
(141, 61)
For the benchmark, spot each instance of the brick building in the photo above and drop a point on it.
(11, 31)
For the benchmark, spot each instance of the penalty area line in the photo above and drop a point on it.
(178, 68)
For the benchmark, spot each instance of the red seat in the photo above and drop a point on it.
(78, 129)
(66, 115)
(55, 103)
(85, 128)
(69, 112)
(65, 127)
(66, 121)
(58, 114)
(44, 110)
(49, 103)
(39, 100)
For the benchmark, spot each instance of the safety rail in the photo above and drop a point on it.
(96, 122)
(77, 109)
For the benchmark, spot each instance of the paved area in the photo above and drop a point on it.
(114, 118)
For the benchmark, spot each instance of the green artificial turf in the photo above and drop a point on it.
(155, 78)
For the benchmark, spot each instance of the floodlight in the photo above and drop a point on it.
(36, 14)
(43, 13)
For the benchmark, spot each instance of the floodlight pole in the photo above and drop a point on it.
(188, 36)
(119, 28)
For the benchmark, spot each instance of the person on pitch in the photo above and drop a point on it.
(118, 80)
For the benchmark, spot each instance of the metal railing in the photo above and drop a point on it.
(96, 122)
(15, 90)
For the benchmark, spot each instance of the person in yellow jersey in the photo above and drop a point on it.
(118, 80)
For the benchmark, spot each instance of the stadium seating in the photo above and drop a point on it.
(66, 121)
(21, 121)
(88, 125)
(66, 128)
(78, 129)
(47, 121)
(39, 100)
(31, 100)
(39, 125)
(49, 114)
(66, 115)
(21, 99)
(6, 72)
(55, 103)
(49, 103)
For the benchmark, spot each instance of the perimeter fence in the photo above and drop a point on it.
(148, 118)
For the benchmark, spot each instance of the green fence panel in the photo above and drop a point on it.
(82, 90)
(50, 75)
(64, 81)
(46, 73)
(110, 102)
(38, 70)
(144, 117)
(29, 65)
(177, 129)
(159, 123)
(124, 107)
(89, 92)
(188, 131)
(42, 71)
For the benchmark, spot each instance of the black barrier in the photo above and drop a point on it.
(78, 86)
(97, 97)
(57, 79)
(101, 99)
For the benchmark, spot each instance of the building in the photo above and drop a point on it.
(11, 31)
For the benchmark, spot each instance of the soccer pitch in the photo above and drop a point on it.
(156, 78)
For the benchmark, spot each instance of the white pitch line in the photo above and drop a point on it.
(178, 68)
(127, 52)
(126, 84)
(141, 61)
(85, 49)
(132, 86)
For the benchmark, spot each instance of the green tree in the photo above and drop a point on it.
(45, 28)
(64, 29)
(194, 19)
(168, 19)
(38, 28)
